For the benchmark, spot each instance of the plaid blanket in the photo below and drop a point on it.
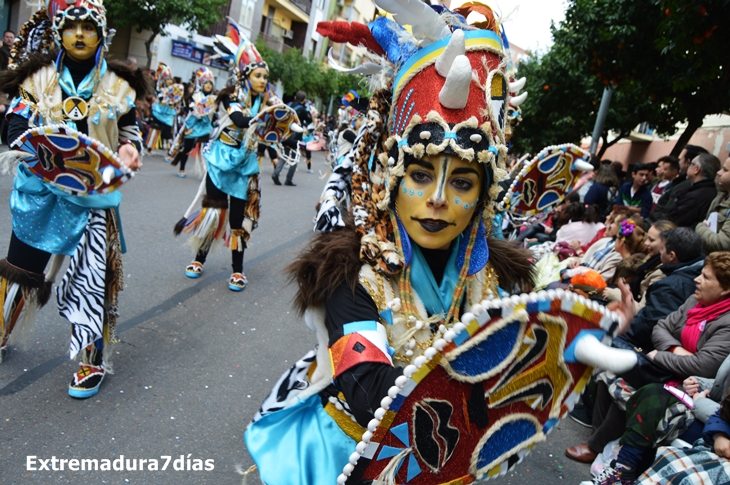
(654, 416)
(695, 466)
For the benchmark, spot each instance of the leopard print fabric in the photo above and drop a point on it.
(253, 207)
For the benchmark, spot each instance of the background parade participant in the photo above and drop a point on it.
(95, 97)
(197, 126)
(232, 181)
(163, 109)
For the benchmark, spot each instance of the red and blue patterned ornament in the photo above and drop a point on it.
(71, 161)
(273, 124)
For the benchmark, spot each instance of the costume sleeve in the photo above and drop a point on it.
(17, 125)
(361, 357)
(349, 135)
(128, 129)
(235, 113)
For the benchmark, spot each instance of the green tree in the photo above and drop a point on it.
(666, 60)
(153, 16)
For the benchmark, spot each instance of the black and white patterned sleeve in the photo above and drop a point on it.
(128, 129)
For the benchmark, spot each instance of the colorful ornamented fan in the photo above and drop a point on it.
(71, 161)
(273, 124)
(205, 107)
(172, 95)
(545, 181)
(484, 394)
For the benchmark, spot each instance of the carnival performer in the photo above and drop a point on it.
(60, 79)
(390, 292)
(197, 126)
(231, 185)
(163, 109)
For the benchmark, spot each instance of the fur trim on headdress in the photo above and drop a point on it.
(135, 77)
(10, 80)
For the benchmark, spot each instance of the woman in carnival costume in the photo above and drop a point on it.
(197, 125)
(393, 392)
(73, 88)
(164, 109)
(231, 185)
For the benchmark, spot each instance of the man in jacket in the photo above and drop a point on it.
(682, 262)
(678, 187)
(636, 194)
(692, 207)
(718, 240)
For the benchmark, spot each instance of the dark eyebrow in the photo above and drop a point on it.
(464, 170)
(423, 163)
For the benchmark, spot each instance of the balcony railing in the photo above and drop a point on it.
(274, 43)
(303, 5)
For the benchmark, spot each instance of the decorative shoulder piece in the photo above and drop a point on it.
(364, 341)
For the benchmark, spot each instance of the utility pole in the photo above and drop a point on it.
(600, 119)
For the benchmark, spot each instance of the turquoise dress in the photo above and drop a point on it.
(164, 113)
(200, 126)
(231, 164)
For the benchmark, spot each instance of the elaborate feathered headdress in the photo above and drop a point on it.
(163, 73)
(445, 91)
(203, 75)
(237, 49)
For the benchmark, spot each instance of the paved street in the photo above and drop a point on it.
(195, 359)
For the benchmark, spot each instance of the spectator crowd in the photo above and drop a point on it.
(654, 246)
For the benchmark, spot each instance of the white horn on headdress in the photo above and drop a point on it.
(426, 25)
(456, 47)
(582, 165)
(516, 86)
(367, 69)
(589, 351)
(518, 100)
(455, 92)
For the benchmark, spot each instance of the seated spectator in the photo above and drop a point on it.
(720, 240)
(691, 208)
(692, 341)
(681, 263)
(577, 223)
(599, 193)
(656, 416)
(667, 170)
(678, 187)
(649, 271)
(706, 462)
(602, 256)
(635, 195)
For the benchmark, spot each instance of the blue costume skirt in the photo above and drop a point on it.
(49, 219)
(230, 168)
(164, 113)
(299, 445)
(200, 127)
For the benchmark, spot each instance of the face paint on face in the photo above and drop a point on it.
(80, 39)
(258, 78)
(437, 199)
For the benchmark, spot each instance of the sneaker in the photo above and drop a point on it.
(580, 415)
(237, 282)
(275, 179)
(181, 175)
(612, 476)
(194, 269)
(86, 381)
(310, 171)
(168, 159)
(290, 184)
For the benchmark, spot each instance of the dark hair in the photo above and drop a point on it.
(577, 212)
(709, 165)
(691, 151)
(683, 242)
(606, 176)
(641, 166)
(7, 32)
(300, 96)
(671, 160)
